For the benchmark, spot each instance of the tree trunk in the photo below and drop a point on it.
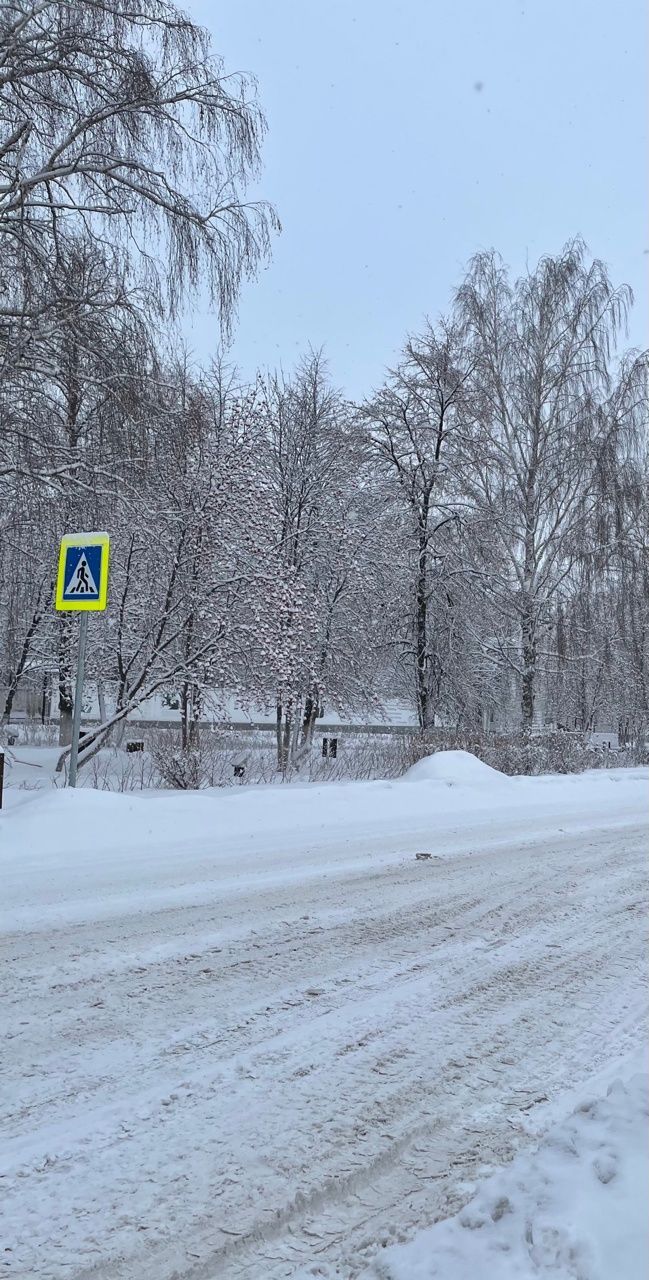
(101, 701)
(46, 698)
(293, 752)
(286, 736)
(528, 687)
(309, 718)
(22, 663)
(9, 700)
(425, 710)
(184, 715)
(190, 710)
(279, 717)
(194, 715)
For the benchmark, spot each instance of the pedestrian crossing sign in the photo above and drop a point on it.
(82, 581)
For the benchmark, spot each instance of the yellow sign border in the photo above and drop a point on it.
(83, 540)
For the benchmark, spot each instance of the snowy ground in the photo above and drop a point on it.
(575, 1208)
(249, 1034)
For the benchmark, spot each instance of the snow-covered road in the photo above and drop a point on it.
(271, 1046)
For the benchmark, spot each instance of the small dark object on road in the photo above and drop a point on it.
(423, 857)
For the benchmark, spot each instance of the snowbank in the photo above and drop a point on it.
(456, 768)
(62, 820)
(576, 1209)
(135, 845)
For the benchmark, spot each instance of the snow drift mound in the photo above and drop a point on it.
(576, 1206)
(458, 767)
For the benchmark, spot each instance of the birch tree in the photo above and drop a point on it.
(543, 349)
(119, 122)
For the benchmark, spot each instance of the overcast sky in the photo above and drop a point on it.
(406, 134)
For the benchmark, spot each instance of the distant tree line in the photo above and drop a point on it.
(472, 538)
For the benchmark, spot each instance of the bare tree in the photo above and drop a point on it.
(543, 351)
(414, 425)
(117, 121)
(301, 458)
(322, 522)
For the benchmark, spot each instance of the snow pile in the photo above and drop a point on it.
(458, 768)
(576, 1209)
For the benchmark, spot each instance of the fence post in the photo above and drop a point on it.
(2, 774)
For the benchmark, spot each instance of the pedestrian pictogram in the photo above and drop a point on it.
(83, 572)
(82, 582)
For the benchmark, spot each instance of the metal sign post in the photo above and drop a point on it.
(81, 587)
(78, 699)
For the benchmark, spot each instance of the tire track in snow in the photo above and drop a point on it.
(365, 1042)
